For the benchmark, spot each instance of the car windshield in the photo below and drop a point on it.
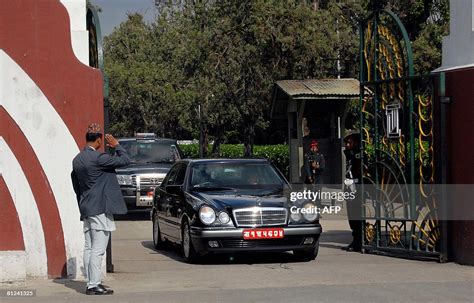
(151, 151)
(235, 176)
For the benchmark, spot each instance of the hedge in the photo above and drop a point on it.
(279, 155)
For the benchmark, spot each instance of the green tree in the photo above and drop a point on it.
(225, 56)
(426, 22)
(267, 41)
(143, 79)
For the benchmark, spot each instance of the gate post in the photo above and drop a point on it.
(96, 59)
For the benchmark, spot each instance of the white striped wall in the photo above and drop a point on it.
(53, 145)
(13, 265)
(28, 215)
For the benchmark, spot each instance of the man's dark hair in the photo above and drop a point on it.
(91, 137)
(355, 138)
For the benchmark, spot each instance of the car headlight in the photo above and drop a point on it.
(224, 217)
(310, 212)
(295, 216)
(124, 179)
(207, 215)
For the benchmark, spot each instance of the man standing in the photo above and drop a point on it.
(99, 198)
(314, 164)
(307, 138)
(353, 177)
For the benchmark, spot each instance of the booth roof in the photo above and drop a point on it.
(316, 89)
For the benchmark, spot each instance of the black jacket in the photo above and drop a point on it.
(314, 157)
(353, 164)
(95, 181)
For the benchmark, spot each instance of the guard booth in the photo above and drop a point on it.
(314, 109)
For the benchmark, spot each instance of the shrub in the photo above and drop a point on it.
(279, 155)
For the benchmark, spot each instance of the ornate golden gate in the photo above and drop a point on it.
(396, 120)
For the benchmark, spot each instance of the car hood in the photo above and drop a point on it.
(148, 168)
(228, 202)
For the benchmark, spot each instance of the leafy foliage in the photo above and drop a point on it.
(279, 154)
(212, 64)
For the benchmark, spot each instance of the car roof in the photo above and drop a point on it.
(129, 139)
(227, 160)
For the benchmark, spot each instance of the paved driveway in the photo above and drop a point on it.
(145, 275)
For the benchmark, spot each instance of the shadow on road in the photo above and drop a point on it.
(134, 216)
(169, 250)
(331, 239)
(334, 239)
(78, 286)
(336, 236)
(174, 252)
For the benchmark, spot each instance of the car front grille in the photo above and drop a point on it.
(147, 180)
(239, 243)
(260, 216)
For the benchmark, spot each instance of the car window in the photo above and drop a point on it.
(150, 151)
(238, 175)
(171, 176)
(180, 175)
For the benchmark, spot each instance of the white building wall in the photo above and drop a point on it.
(79, 34)
(458, 46)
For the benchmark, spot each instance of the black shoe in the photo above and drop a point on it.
(349, 247)
(99, 290)
(356, 248)
(106, 287)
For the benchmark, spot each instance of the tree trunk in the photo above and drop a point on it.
(315, 5)
(205, 141)
(249, 135)
(204, 127)
(216, 147)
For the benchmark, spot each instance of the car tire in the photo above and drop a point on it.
(307, 254)
(158, 242)
(189, 254)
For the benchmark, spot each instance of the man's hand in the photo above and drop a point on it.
(111, 141)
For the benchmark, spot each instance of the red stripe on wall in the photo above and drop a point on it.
(38, 39)
(460, 147)
(460, 125)
(11, 235)
(45, 200)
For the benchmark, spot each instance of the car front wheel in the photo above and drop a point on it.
(307, 254)
(189, 254)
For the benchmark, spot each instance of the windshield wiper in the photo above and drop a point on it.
(273, 192)
(214, 188)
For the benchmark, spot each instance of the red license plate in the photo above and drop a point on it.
(267, 233)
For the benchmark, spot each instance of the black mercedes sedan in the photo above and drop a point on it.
(229, 206)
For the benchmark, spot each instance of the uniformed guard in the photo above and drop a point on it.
(353, 177)
(314, 164)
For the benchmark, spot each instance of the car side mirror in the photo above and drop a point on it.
(174, 189)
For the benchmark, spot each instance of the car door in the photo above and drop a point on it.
(164, 203)
(176, 207)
